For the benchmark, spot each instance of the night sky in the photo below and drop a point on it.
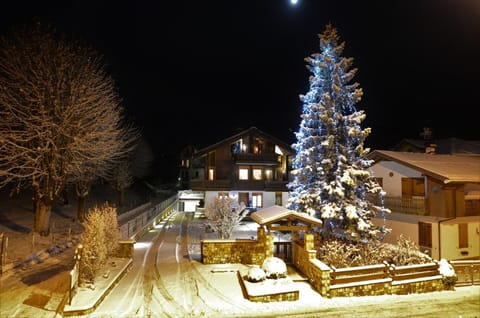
(195, 72)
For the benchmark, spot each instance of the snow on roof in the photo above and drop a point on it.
(276, 212)
(447, 168)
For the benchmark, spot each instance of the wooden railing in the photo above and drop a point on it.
(468, 272)
(414, 205)
(260, 185)
(261, 158)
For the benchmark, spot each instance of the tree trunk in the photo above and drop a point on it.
(82, 189)
(42, 216)
(121, 198)
(65, 196)
(81, 208)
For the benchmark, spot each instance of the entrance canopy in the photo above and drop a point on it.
(282, 219)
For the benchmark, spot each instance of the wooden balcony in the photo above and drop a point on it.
(259, 159)
(415, 205)
(247, 185)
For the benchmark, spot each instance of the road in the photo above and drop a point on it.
(163, 281)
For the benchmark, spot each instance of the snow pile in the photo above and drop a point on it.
(256, 274)
(449, 276)
(274, 267)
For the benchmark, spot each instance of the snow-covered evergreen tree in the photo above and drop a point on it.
(331, 177)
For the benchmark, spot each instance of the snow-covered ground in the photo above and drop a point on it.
(37, 290)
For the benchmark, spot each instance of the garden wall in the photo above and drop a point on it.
(238, 251)
(319, 275)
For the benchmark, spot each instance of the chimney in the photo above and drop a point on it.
(430, 146)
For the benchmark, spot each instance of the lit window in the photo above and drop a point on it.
(278, 151)
(268, 174)
(243, 173)
(257, 200)
(211, 174)
(257, 174)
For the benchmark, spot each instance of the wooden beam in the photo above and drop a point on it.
(288, 228)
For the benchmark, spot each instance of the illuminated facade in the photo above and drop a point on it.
(434, 199)
(251, 166)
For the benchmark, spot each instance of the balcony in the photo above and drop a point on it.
(414, 205)
(202, 185)
(248, 185)
(270, 159)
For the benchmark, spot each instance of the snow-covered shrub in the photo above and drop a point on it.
(99, 239)
(449, 277)
(256, 274)
(407, 252)
(112, 233)
(348, 254)
(274, 267)
(224, 214)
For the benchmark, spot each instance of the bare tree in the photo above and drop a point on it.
(224, 214)
(121, 179)
(60, 115)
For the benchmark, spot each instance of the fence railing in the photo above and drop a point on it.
(414, 205)
(468, 272)
(134, 222)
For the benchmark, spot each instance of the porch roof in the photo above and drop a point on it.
(276, 214)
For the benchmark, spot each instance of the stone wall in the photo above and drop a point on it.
(238, 251)
(305, 260)
(417, 286)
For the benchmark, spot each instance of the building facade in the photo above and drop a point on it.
(434, 199)
(251, 166)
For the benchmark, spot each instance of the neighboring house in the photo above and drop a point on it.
(439, 146)
(251, 166)
(434, 199)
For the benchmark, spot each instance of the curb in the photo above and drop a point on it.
(89, 308)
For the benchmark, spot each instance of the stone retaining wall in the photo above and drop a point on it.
(238, 251)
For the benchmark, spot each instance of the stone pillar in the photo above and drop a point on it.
(309, 242)
(269, 245)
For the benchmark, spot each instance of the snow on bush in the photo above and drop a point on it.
(224, 214)
(274, 267)
(256, 274)
(348, 254)
(448, 272)
(99, 240)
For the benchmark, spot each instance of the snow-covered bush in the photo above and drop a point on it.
(99, 240)
(348, 254)
(256, 274)
(449, 277)
(407, 252)
(274, 267)
(224, 214)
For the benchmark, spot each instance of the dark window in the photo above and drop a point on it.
(413, 187)
(463, 235)
(424, 234)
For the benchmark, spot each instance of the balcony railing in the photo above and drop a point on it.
(415, 205)
(259, 185)
(265, 158)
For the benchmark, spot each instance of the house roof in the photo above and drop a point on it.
(446, 168)
(277, 213)
(251, 130)
(444, 146)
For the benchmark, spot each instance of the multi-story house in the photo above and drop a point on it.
(251, 166)
(434, 199)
